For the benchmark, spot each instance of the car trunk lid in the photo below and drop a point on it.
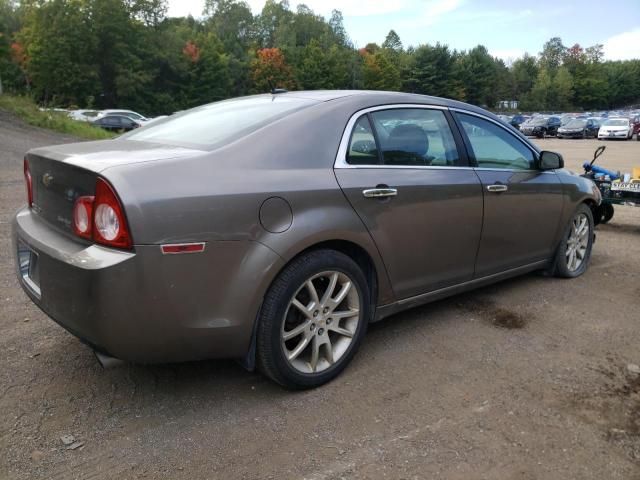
(62, 173)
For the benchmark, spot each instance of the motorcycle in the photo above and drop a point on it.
(616, 188)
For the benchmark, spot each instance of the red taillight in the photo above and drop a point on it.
(109, 223)
(29, 182)
(83, 216)
(101, 218)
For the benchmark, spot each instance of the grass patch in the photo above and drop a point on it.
(27, 110)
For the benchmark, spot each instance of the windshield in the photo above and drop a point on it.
(538, 121)
(616, 122)
(211, 125)
(576, 124)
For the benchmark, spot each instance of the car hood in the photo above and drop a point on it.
(100, 155)
(614, 128)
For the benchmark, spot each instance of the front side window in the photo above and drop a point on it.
(494, 147)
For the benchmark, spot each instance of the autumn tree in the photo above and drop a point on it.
(270, 70)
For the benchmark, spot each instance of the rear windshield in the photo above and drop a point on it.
(217, 123)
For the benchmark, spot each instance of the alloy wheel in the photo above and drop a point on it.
(320, 322)
(578, 242)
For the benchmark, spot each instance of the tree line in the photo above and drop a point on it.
(128, 53)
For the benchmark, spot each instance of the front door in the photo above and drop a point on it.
(522, 204)
(416, 195)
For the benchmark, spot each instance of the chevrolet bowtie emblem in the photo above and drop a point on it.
(47, 179)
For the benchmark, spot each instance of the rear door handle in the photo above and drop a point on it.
(380, 192)
(497, 188)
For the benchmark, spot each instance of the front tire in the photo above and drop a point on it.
(574, 253)
(313, 319)
(607, 212)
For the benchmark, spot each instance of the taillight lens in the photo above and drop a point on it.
(28, 182)
(109, 223)
(83, 216)
(101, 218)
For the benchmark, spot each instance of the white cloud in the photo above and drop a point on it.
(509, 55)
(182, 8)
(349, 8)
(624, 46)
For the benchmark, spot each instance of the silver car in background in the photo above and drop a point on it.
(273, 229)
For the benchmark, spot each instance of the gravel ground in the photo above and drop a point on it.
(527, 379)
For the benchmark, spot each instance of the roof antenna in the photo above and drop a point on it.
(274, 90)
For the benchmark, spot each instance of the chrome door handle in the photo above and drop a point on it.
(380, 192)
(497, 188)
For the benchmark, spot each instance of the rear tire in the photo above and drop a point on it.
(574, 252)
(313, 319)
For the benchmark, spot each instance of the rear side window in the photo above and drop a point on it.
(212, 125)
(362, 147)
(415, 137)
(403, 137)
(494, 147)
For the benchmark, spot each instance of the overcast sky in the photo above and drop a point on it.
(507, 28)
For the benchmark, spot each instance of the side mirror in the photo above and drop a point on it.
(551, 160)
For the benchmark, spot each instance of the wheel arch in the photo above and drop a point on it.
(374, 272)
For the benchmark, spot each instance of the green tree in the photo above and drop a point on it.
(525, 72)
(552, 54)
(538, 98)
(429, 70)
(57, 40)
(561, 90)
(379, 72)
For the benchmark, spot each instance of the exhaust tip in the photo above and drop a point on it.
(106, 361)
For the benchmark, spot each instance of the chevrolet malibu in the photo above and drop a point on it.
(273, 229)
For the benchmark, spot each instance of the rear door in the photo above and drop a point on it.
(403, 172)
(522, 204)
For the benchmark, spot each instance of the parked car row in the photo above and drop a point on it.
(600, 125)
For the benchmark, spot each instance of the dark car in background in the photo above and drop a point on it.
(541, 127)
(274, 228)
(517, 120)
(116, 123)
(635, 121)
(580, 128)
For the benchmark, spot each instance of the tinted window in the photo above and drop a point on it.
(415, 137)
(220, 122)
(493, 147)
(362, 147)
(110, 121)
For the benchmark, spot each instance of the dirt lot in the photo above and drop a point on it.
(527, 379)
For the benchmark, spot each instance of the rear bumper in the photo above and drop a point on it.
(143, 306)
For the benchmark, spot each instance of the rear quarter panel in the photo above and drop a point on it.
(217, 196)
